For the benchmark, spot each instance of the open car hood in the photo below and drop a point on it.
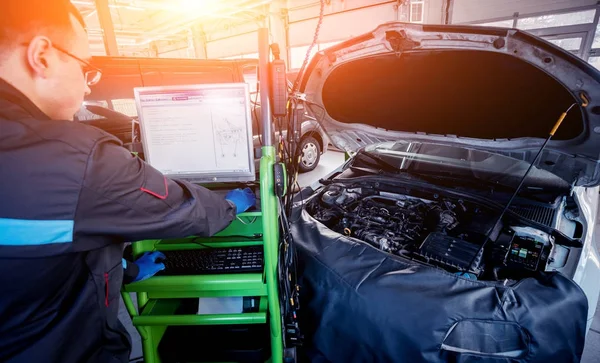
(493, 89)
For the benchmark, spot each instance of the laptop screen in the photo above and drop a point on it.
(199, 133)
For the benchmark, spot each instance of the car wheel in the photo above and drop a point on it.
(310, 154)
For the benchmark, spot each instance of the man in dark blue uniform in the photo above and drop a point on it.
(71, 195)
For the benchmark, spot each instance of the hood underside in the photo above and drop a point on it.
(494, 89)
(468, 93)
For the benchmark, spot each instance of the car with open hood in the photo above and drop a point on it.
(417, 249)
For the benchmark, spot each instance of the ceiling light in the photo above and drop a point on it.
(196, 4)
(186, 6)
(248, 7)
(114, 6)
(126, 41)
(128, 7)
(87, 3)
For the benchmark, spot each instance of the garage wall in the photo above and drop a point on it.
(232, 39)
(342, 20)
(306, 9)
(347, 18)
(465, 11)
(342, 25)
(236, 45)
(434, 11)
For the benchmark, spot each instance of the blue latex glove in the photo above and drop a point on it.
(148, 265)
(243, 199)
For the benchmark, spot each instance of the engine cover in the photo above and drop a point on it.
(451, 252)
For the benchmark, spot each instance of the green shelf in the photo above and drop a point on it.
(246, 284)
(162, 313)
(214, 319)
(203, 243)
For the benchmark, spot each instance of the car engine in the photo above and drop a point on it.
(438, 231)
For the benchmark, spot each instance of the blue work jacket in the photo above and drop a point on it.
(70, 196)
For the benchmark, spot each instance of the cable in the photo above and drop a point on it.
(248, 238)
(319, 121)
(288, 284)
(246, 223)
(201, 244)
(254, 104)
(301, 202)
(288, 151)
(295, 153)
(309, 50)
(298, 153)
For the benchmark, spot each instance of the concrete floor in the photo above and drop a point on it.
(329, 161)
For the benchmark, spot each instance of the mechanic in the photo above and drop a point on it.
(71, 196)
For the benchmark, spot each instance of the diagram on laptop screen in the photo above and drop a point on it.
(229, 137)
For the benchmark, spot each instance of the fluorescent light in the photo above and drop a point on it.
(114, 6)
(248, 7)
(187, 6)
(128, 7)
(126, 41)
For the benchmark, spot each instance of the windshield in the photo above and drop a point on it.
(459, 162)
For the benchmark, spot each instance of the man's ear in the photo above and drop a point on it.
(38, 54)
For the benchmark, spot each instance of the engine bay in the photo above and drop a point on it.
(436, 230)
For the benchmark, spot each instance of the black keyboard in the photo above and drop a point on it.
(213, 261)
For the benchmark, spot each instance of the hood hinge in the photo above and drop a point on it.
(399, 41)
(300, 96)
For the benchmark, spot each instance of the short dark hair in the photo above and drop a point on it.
(25, 18)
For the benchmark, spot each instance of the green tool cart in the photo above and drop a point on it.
(161, 299)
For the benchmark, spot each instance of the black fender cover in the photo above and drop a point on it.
(360, 304)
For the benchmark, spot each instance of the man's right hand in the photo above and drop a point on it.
(243, 199)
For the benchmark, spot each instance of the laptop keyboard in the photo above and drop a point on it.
(213, 261)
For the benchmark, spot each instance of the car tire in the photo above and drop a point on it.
(310, 154)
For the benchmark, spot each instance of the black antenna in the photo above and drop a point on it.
(499, 219)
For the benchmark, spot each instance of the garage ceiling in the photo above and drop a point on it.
(138, 23)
